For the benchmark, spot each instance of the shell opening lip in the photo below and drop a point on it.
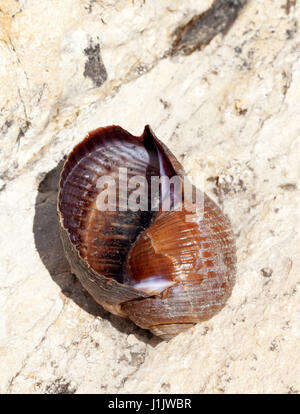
(166, 167)
(153, 285)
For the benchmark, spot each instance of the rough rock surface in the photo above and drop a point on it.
(228, 106)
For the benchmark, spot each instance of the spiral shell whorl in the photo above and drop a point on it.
(199, 257)
(176, 273)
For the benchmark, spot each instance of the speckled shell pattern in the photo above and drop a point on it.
(198, 257)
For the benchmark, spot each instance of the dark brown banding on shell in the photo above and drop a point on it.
(102, 238)
(115, 253)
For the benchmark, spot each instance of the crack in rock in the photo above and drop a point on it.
(60, 386)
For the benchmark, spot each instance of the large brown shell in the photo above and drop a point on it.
(104, 248)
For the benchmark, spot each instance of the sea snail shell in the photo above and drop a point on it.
(154, 267)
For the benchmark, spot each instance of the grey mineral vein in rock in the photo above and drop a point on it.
(94, 67)
(229, 112)
(201, 29)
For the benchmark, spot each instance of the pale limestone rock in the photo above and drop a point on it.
(230, 112)
(51, 52)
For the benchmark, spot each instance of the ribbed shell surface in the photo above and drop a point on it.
(197, 257)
